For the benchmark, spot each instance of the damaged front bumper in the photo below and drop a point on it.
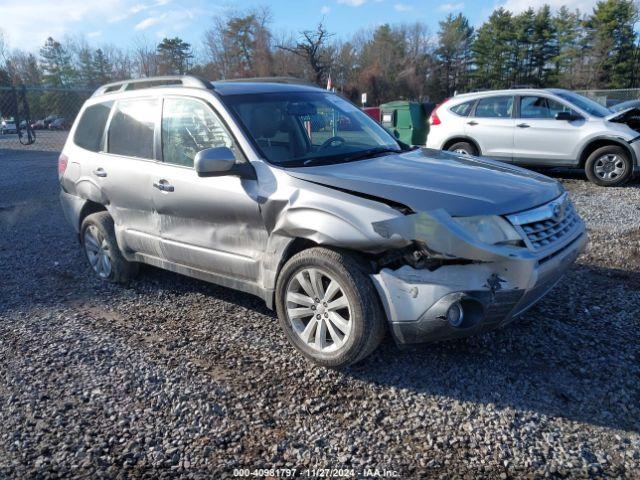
(488, 293)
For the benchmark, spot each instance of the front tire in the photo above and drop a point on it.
(328, 307)
(609, 166)
(98, 240)
(463, 148)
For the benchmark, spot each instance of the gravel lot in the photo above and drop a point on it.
(173, 377)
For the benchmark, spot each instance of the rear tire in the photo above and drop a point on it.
(328, 307)
(609, 166)
(463, 148)
(98, 240)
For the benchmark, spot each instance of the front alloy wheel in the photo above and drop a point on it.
(328, 307)
(318, 310)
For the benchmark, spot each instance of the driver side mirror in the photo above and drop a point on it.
(567, 116)
(220, 161)
(213, 162)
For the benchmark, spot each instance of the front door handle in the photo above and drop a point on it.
(163, 186)
(99, 172)
(472, 123)
(523, 125)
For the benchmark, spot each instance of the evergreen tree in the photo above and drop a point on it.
(494, 51)
(453, 54)
(174, 55)
(614, 42)
(56, 65)
(101, 67)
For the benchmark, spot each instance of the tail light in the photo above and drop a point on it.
(62, 163)
(435, 119)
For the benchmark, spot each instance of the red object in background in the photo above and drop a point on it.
(373, 112)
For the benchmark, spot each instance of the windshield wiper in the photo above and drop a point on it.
(370, 153)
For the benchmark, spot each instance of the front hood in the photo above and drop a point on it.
(622, 113)
(428, 179)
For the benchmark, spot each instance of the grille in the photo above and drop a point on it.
(543, 233)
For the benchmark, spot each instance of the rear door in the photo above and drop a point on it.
(209, 223)
(539, 138)
(125, 173)
(491, 125)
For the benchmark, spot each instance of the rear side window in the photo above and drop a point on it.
(131, 132)
(91, 127)
(495, 107)
(463, 109)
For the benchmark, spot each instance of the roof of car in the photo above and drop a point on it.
(510, 91)
(222, 87)
(240, 87)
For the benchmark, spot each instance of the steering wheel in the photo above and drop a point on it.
(330, 142)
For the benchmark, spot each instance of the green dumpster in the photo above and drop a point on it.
(407, 121)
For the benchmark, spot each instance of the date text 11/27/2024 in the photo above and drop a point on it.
(315, 473)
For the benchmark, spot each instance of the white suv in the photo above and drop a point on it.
(543, 128)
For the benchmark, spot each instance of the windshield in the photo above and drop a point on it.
(590, 106)
(309, 128)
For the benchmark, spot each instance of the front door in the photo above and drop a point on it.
(491, 126)
(539, 138)
(208, 223)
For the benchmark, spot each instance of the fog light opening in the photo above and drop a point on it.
(455, 314)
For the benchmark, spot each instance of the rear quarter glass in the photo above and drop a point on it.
(90, 130)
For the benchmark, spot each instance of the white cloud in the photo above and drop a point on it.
(402, 7)
(96, 34)
(325, 10)
(53, 19)
(352, 3)
(451, 7)
(148, 22)
(517, 6)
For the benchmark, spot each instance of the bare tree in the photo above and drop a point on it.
(312, 46)
(145, 58)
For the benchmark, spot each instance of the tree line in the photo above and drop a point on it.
(540, 48)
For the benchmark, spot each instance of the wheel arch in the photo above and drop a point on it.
(603, 141)
(461, 138)
(87, 209)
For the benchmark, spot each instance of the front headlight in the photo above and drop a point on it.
(491, 229)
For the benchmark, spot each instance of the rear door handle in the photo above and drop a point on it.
(163, 186)
(99, 172)
(472, 123)
(523, 125)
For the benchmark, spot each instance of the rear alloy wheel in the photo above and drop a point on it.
(98, 239)
(463, 148)
(328, 307)
(609, 166)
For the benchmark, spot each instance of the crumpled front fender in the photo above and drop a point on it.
(443, 235)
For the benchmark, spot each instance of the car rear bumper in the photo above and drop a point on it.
(72, 206)
(491, 294)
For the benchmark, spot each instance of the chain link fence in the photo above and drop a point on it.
(36, 118)
(609, 98)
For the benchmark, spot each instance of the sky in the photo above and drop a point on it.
(27, 23)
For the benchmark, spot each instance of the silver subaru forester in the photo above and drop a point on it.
(291, 193)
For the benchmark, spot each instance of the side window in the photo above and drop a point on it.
(131, 131)
(495, 107)
(188, 127)
(463, 109)
(91, 127)
(541, 107)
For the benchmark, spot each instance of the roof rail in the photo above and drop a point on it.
(150, 82)
(288, 80)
